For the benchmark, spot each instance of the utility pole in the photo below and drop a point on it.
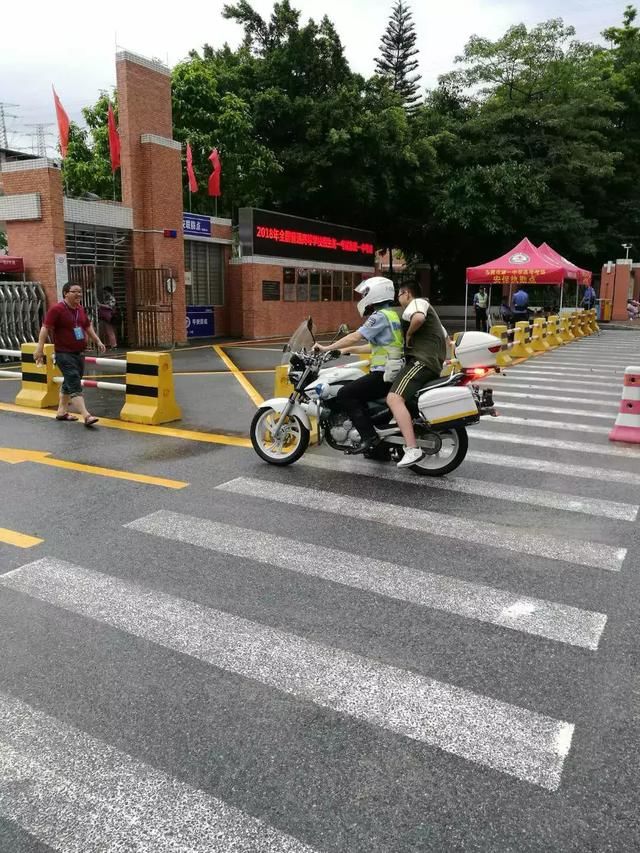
(3, 123)
(39, 146)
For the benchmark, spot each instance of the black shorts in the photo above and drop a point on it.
(412, 378)
(71, 366)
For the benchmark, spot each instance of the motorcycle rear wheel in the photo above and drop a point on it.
(293, 441)
(455, 443)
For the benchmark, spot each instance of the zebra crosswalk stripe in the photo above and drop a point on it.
(555, 443)
(464, 485)
(580, 553)
(540, 423)
(552, 410)
(582, 472)
(78, 794)
(504, 384)
(599, 406)
(507, 738)
(559, 622)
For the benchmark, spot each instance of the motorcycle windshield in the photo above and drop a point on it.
(302, 339)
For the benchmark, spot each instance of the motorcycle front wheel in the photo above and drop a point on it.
(455, 444)
(288, 447)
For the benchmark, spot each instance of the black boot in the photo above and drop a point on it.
(366, 445)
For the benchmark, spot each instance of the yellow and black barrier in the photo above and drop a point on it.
(38, 390)
(565, 329)
(521, 347)
(538, 342)
(503, 359)
(553, 332)
(150, 395)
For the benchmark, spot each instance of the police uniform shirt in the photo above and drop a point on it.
(377, 331)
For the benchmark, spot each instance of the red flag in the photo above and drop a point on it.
(193, 184)
(63, 124)
(114, 140)
(214, 177)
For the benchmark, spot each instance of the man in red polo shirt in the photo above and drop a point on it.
(69, 327)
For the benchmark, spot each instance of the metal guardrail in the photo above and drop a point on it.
(22, 308)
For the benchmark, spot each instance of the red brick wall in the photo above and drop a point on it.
(38, 241)
(271, 319)
(614, 285)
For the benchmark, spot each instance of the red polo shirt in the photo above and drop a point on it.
(61, 321)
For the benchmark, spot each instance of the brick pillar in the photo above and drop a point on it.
(152, 170)
(617, 286)
(35, 218)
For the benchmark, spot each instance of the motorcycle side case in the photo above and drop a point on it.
(472, 349)
(447, 404)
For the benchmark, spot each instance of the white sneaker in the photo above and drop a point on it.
(411, 456)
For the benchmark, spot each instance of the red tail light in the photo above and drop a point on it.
(495, 348)
(477, 372)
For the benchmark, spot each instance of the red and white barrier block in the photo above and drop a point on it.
(627, 425)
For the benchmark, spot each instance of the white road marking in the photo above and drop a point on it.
(557, 469)
(580, 553)
(559, 622)
(573, 369)
(77, 794)
(568, 427)
(463, 485)
(600, 405)
(508, 384)
(556, 444)
(507, 738)
(553, 411)
(533, 376)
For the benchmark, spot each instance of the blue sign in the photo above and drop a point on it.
(199, 226)
(200, 321)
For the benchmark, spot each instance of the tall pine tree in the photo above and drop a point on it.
(397, 62)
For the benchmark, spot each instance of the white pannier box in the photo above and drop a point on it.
(476, 349)
(447, 404)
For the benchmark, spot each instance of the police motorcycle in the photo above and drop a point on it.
(442, 410)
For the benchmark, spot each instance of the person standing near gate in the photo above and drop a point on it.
(69, 328)
(480, 303)
(520, 306)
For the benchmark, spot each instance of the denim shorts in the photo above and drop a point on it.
(71, 366)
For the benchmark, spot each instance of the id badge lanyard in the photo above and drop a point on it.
(78, 331)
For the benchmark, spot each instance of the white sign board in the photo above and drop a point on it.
(62, 274)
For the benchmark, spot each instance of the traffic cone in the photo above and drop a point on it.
(627, 425)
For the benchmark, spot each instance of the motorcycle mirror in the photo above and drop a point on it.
(343, 330)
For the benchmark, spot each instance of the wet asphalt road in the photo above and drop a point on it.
(326, 657)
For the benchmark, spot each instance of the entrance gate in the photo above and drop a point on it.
(150, 306)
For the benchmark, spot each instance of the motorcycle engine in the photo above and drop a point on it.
(342, 430)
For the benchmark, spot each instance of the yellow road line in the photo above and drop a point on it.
(113, 473)
(239, 375)
(168, 432)
(20, 540)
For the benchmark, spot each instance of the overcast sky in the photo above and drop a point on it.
(73, 44)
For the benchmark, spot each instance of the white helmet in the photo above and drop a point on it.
(374, 291)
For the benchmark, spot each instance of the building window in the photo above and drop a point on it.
(314, 286)
(205, 263)
(302, 285)
(325, 279)
(289, 284)
(270, 291)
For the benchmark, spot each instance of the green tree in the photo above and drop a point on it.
(87, 166)
(531, 116)
(397, 61)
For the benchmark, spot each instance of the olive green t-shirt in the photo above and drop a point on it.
(429, 344)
